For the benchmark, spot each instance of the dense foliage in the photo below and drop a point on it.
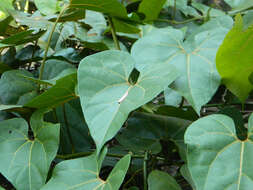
(126, 94)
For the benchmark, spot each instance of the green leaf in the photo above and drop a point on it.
(183, 6)
(54, 67)
(186, 174)
(5, 6)
(83, 173)
(21, 38)
(217, 159)
(187, 114)
(234, 60)
(111, 7)
(106, 95)
(63, 91)
(151, 8)
(194, 58)
(14, 85)
(251, 78)
(48, 7)
(158, 180)
(172, 98)
(25, 162)
(144, 132)
(239, 4)
(125, 27)
(72, 120)
(4, 67)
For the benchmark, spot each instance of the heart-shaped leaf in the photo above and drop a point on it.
(234, 60)
(83, 173)
(217, 159)
(106, 95)
(158, 180)
(193, 57)
(25, 161)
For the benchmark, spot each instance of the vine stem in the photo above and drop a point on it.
(83, 154)
(145, 173)
(114, 36)
(49, 40)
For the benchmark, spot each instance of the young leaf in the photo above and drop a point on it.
(111, 7)
(158, 180)
(194, 58)
(217, 159)
(26, 161)
(106, 95)
(83, 173)
(234, 60)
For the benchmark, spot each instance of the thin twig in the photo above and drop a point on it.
(114, 36)
(49, 41)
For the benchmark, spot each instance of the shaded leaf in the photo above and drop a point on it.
(63, 91)
(106, 95)
(151, 8)
(111, 7)
(4, 67)
(143, 132)
(172, 98)
(14, 85)
(48, 7)
(158, 180)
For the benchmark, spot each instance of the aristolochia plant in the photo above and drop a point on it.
(126, 95)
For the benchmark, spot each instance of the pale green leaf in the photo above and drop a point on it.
(234, 60)
(25, 162)
(106, 95)
(83, 173)
(238, 5)
(48, 7)
(217, 159)
(194, 58)
(158, 180)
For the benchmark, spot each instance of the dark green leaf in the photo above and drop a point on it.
(111, 7)
(143, 132)
(14, 85)
(63, 91)
(151, 8)
(158, 180)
